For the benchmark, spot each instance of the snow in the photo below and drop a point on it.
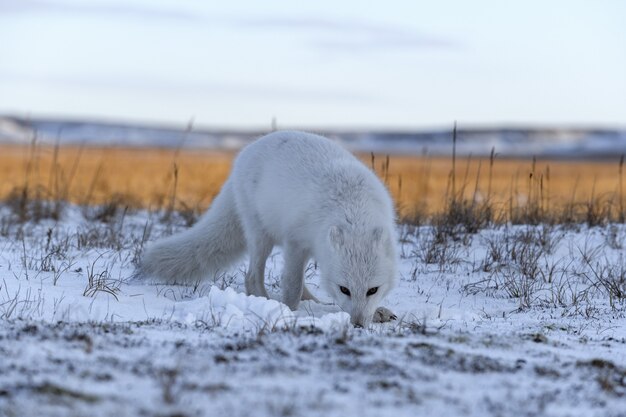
(79, 337)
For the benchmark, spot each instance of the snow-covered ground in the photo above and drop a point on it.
(512, 321)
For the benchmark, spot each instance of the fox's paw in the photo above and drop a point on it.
(383, 315)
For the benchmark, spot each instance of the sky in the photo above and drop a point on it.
(328, 63)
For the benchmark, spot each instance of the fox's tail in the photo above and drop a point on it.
(210, 246)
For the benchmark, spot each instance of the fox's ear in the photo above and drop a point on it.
(335, 235)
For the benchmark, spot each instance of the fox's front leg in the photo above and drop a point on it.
(292, 281)
(306, 295)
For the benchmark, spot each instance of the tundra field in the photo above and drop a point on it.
(512, 189)
(511, 299)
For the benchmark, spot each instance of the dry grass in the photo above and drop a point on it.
(140, 177)
(511, 190)
(509, 187)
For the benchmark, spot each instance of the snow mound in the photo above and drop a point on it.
(234, 310)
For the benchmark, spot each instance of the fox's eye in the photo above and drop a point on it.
(344, 290)
(372, 291)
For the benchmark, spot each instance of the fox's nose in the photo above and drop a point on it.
(357, 320)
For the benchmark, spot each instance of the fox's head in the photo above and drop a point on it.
(360, 271)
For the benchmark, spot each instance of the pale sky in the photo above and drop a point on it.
(384, 64)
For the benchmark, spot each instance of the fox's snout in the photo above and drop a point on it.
(359, 319)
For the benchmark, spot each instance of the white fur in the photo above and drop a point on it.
(308, 195)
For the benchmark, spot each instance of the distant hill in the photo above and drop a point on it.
(508, 142)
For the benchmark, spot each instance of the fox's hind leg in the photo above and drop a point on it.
(259, 250)
(292, 281)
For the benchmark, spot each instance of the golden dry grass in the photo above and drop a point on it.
(154, 178)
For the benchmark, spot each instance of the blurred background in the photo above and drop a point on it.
(400, 66)
(522, 80)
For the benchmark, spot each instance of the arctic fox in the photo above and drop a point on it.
(310, 196)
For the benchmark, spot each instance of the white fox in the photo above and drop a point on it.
(310, 196)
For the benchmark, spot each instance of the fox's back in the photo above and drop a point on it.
(298, 153)
(292, 179)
